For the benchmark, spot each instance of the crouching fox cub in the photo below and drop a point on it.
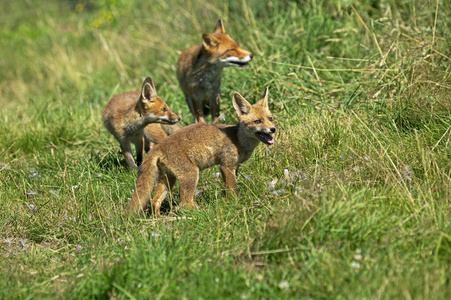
(196, 147)
(126, 115)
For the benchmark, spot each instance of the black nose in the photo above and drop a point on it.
(178, 119)
(251, 55)
(273, 129)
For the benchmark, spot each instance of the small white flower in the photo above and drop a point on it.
(267, 151)
(355, 265)
(358, 254)
(272, 185)
(32, 208)
(279, 192)
(283, 285)
(33, 174)
(222, 117)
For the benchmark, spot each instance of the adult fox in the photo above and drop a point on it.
(199, 70)
(196, 147)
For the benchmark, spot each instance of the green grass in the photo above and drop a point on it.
(360, 95)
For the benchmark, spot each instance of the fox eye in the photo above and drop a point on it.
(270, 119)
(258, 121)
(164, 109)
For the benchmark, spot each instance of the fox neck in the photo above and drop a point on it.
(247, 143)
(139, 120)
(205, 70)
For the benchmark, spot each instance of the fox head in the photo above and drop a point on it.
(255, 120)
(223, 50)
(152, 107)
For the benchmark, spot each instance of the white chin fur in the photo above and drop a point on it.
(235, 61)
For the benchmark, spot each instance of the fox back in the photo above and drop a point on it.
(196, 147)
(126, 115)
(199, 70)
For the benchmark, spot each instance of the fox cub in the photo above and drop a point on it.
(199, 70)
(196, 147)
(126, 115)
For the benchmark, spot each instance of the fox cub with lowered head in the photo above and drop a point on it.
(126, 115)
(196, 147)
(199, 70)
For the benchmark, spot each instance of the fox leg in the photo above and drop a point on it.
(188, 182)
(139, 145)
(229, 176)
(214, 108)
(144, 186)
(148, 145)
(166, 183)
(127, 152)
(195, 110)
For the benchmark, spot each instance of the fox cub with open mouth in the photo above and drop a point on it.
(196, 147)
(127, 114)
(199, 70)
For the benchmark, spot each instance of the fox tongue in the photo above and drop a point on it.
(265, 138)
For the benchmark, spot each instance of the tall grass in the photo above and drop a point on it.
(352, 201)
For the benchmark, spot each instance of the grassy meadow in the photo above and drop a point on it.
(353, 200)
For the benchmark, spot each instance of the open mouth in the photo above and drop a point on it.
(165, 121)
(239, 64)
(265, 138)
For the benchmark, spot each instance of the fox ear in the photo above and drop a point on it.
(209, 41)
(263, 101)
(242, 107)
(148, 91)
(219, 28)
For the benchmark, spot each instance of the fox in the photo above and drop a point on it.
(199, 71)
(127, 114)
(182, 155)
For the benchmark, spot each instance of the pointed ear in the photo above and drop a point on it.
(242, 107)
(263, 101)
(148, 91)
(209, 41)
(219, 28)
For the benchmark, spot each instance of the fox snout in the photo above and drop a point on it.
(237, 61)
(264, 135)
(169, 120)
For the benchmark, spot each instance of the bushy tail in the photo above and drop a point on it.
(147, 176)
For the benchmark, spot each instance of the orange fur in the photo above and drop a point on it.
(199, 70)
(126, 115)
(193, 148)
